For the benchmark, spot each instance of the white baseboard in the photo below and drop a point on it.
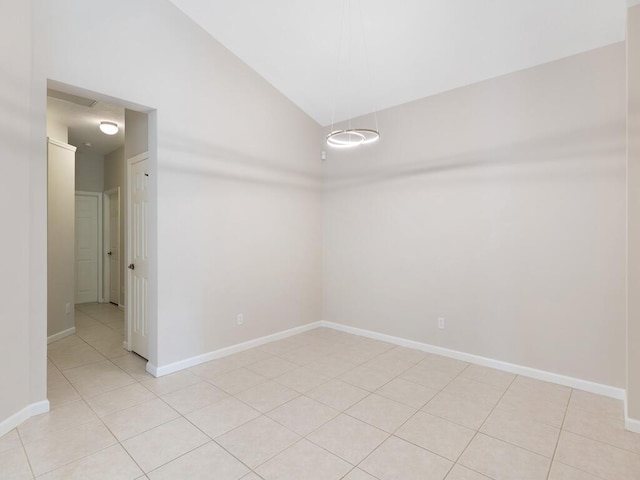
(121, 307)
(600, 389)
(27, 412)
(632, 425)
(61, 335)
(223, 352)
(125, 345)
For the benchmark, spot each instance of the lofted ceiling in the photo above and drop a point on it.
(83, 121)
(416, 48)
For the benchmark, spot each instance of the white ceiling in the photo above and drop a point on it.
(83, 123)
(416, 48)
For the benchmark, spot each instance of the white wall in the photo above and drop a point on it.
(15, 151)
(89, 172)
(500, 207)
(57, 130)
(238, 200)
(633, 320)
(60, 237)
(136, 138)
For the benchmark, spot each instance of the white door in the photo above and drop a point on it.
(138, 215)
(112, 246)
(87, 247)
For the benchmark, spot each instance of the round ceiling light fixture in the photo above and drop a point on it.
(109, 128)
(352, 137)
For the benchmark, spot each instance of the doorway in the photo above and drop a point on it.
(88, 245)
(111, 235)
(138, 266)
(101, 300)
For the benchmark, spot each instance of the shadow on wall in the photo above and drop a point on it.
(195, 157)
(604, 141)
(12, 134)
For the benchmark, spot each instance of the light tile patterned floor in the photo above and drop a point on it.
(321, 405)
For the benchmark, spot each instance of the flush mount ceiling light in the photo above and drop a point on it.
(109, 128)
(351, 136)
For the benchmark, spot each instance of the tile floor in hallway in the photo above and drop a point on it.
(321, 405)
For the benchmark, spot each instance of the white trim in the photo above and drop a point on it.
(607, 390)
(632, 3)
(598, 388)
(60, 144)
(120, 306)
(27, 412)
(106, 243)
(98, 196)
(128, 287)
(125, 345)
(632, 425)
(223, 352)
(60, 335)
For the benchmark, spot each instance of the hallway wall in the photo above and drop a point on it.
(89, 172)
(15, 157)
(633, 182)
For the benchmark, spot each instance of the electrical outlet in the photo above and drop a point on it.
(240, 319)
(440, 322)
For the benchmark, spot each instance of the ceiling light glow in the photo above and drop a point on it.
(109, 128)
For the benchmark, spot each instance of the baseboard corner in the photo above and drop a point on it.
(21, 416)
(159, 371)
(37, 408)
(632, 424)
(60, 335)
(152, 369)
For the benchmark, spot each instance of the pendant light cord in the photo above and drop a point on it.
(368, 67)
(351, 137)
(336, 71)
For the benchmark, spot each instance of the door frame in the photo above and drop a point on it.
(98, 195)
(106, 271)
(38, 246)
(128, 241)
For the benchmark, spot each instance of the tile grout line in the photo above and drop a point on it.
(303, 394)
(118, 442)
(84, 399)
(329, 354)
(555, 449)
(392, 434)
(24, 451)
(481, 425)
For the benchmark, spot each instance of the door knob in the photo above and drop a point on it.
(109, 253)
(132, 266)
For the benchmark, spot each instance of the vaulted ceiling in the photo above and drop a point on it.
(415, 48)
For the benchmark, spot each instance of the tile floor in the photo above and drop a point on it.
(321, 405)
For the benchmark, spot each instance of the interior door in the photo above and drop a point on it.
(112, 246)
(87, 247)
(138, 214)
